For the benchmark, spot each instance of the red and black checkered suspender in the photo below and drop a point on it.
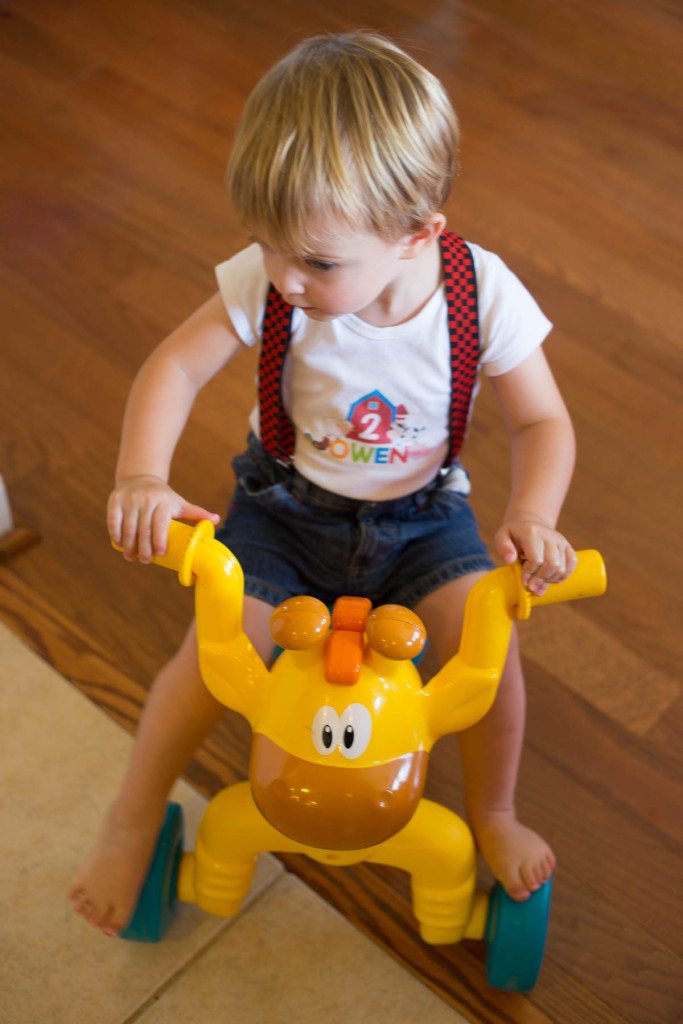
(275, 426)
(277, 430)
(463, 329)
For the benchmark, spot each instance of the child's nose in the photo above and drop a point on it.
(290, 282)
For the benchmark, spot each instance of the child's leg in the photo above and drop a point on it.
(179, 713)
(491, 750)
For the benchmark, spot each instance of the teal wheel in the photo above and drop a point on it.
(158, 895)
(515, 935)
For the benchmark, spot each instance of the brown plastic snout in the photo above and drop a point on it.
(396, 632)
(299, 623)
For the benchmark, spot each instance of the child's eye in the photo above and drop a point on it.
(321, 265)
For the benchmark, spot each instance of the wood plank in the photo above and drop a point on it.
(600, 669)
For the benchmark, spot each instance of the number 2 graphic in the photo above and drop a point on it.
(369, 423)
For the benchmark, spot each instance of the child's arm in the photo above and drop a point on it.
(142, 503)
(542, 440)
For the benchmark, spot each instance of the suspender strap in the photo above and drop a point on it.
(275, 426)
(276, 429)
(463, 328)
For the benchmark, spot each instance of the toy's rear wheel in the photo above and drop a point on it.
(516, 934)
(158, 895)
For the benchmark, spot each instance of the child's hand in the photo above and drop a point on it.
(139, 512)
(546, 556)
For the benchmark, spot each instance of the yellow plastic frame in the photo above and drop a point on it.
(433, 845)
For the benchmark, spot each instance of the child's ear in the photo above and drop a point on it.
(417, 241)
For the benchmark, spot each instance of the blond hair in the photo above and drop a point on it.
(344, 125)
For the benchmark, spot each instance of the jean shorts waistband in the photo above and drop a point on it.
(292, 536)
(314, 496)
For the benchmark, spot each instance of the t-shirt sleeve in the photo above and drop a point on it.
(243, 285)
(511, 323)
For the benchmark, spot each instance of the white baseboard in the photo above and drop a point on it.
(6, 519)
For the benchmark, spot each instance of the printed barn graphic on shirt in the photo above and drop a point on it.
(372, 418)
(381, 432)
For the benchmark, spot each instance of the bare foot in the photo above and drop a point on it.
(106, 889)
(518, 857)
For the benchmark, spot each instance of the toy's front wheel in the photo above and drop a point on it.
(158, 895)
(516, 934)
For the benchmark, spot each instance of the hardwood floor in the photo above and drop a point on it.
(117, 119)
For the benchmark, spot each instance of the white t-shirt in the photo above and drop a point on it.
(370, 405)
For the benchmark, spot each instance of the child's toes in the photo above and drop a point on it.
(517, 887)
(546, 868)
(519, 893)
(102, 916)
(529, 877)
(81, 902)
(113, 922)
(537, 874)
(89, 908)
(109, 925)
(540, 873)
(76, 894)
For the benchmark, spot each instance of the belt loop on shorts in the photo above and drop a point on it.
(299, 488)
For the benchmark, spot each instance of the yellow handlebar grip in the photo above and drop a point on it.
(180, 544)
(589, 579)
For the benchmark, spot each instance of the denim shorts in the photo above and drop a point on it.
(293, 537)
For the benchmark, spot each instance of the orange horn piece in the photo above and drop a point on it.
(344, 650)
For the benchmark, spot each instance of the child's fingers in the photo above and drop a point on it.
(555, 565)
(572, 560)
(160, 524)
(505, 546)
(559, 562)
(546, 556)
(553, 568)
(161, 520)
(129, 534)
(144, 532)
(531, 554)
(138, 520)
(114, 521)
(195, 512)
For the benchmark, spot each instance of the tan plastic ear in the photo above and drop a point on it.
(299, 623)
(395, 632)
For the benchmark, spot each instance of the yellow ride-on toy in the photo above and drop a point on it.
(342, 730)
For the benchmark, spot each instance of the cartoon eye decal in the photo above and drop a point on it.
(350, 733)
(355, 729)
(325, 731)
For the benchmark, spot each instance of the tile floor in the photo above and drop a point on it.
(61, 758)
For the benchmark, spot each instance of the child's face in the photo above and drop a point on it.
(346, 271)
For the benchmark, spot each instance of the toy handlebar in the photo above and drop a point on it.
(500, 596)
(589, 579)
(459, 694)
(182, 544)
